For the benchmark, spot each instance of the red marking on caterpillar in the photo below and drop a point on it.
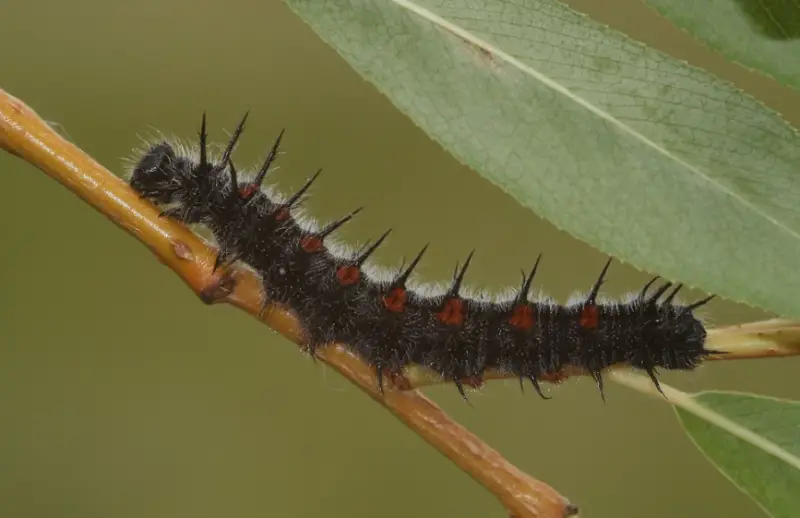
(312, 244)
(590, 317)
(522, 317)
(247, 191)
(395, 301)
(348, 275)
(337, 298)
(452, 312)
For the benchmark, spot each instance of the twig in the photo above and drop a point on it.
(24, 134)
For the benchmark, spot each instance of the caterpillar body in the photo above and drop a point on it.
(385, 318)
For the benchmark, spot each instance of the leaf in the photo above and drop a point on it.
(753, 440)
(648, 159)
(764, 35)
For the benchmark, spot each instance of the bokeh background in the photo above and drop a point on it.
(121, 395)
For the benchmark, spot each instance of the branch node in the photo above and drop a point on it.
(182, 251)
(219, 289)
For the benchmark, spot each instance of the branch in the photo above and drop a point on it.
(24, 134)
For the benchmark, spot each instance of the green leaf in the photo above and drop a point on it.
(759, 34)
(648, 159)
(752, 440)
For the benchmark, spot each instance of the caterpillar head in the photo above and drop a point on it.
(667, 337)
(156, 176)
(169, 177)
(684, 336)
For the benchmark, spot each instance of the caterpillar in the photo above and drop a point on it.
(390, 322)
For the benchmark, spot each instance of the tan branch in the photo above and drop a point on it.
(24, 134)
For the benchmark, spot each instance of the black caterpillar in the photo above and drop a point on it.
(391, 325)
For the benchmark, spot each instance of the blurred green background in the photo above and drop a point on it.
(121, 395)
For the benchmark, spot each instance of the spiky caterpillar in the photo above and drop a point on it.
(338, 298)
